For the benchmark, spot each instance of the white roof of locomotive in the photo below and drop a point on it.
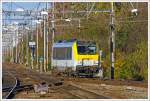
(63, 44)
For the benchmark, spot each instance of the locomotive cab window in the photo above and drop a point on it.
(86, 48)
(91, 50)
(62, 53)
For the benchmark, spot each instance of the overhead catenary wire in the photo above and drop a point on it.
(88, 13)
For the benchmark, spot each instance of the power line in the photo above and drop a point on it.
(88, 13)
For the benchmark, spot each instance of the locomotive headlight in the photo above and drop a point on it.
(95, 62)
(79, 62)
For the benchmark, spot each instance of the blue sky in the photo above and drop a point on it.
(25, 5)
(8, 6)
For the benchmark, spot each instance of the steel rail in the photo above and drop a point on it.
(8, 96)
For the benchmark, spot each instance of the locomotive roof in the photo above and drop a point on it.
(63, 44)
(70, 43)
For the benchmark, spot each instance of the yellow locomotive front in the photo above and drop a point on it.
(86, 58)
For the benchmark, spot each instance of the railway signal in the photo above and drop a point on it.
(32, 46)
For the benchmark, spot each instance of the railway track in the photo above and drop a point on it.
(83, 93)
(75, 92)
(21, 84)
(67, 89)
(35, 76)
(10, 92)
(12, 85)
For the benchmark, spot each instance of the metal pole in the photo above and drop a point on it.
(53, 33)
(100, 65)
(47, 36)
(31, 60)
(44, 46)
(6, 52)
(22, 49)
(41, 63)
(13, 47)
(27, 49)
(37, 47)
(87, 8)
(18, 50)
(112, 43)
(12, 50)
(16, 44)
(100, 58)
(9, 51)
(79, 25)
(31, 50)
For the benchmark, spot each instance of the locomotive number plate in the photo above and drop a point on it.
(87, 63)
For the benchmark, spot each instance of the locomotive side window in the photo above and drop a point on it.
(62, 53)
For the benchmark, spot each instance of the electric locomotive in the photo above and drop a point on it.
(81, 57)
